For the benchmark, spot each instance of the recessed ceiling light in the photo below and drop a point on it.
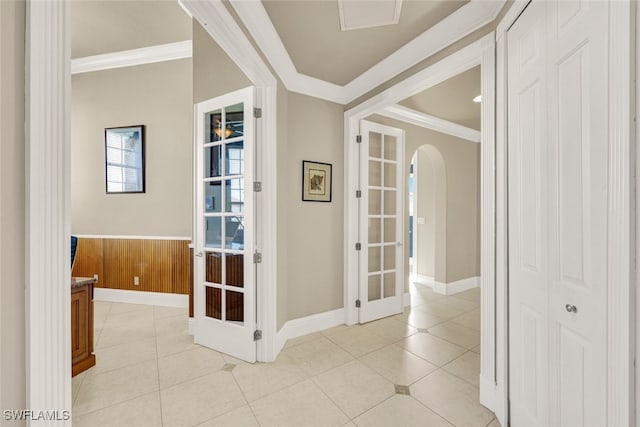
(477, 98)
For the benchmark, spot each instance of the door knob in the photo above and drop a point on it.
(199, 254)
(571, 308)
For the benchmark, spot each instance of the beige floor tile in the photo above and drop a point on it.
(452, 398)
(194, 402)
(172, 326)
(143, 411)
(100, 312)
(349, 424)
(231, 359)
(116, 335)
(317, 356)
(354, 387)
(109, 388)
(459, 303)
(476, 349)
(472, 295)
(494, 423)
(466, 367)
(398, 365)
(119, 307)
(128, 318)
(457, 334)
(470, 319)
(391, 329)
(257, 380)
(301, 405)
(433, 349)
(76, 382)
(438, 309)
(400, 411)
(303, 339)
(164, 312)
(356, 340)
(241, 417)
(172, 344)
(425, 291)
(188, 365)
(420, 319)
(119, 356)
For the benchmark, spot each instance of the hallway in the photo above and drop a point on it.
(419, 368)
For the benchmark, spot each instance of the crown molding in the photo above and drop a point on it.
(462, 22)
(129, 58)
(427, 121)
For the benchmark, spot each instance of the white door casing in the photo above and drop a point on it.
(381, 257)
(557, 107)
(225, 275)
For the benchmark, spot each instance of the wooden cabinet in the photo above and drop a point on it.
(82, 357)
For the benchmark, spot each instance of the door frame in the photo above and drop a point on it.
(480, 52)
(623, 169)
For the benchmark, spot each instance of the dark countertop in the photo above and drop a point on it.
(81, 281)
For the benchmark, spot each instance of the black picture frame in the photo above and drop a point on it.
(317, 181)
(137, 135)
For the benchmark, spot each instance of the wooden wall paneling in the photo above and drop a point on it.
(191, 281)
(89, 260)
(180, 267)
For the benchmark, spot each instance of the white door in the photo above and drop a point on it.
(381, 221)
(557, 109)
(225, 279)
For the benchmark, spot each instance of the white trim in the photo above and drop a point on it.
(406, 300)
(190, 326)
(307, 325)
(48, 207)
(100, 236)
(510, 17)
(427, 121)
(462, 22)
(129, 58)
(220, 25)
(447, 288)
(141, 297)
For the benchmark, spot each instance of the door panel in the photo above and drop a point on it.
(381, 224)
(225, 284)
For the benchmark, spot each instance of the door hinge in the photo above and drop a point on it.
(257, 113)
(257, 186)
(359, 139)
(257, 335)
(358, 246)
(257, 258)
(357, 303)
(358, 194)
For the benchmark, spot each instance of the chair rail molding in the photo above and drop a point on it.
(48, 208)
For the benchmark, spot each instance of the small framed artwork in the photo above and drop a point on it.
(316, 181)
(124, 159)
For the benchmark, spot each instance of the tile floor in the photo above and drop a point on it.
(419, 368)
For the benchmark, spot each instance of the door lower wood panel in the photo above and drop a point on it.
(160, 265)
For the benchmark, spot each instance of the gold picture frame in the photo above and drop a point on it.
(316, 181)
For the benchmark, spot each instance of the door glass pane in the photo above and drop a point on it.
(389, 285)
(234, 303)
(390, 175)
(390, 230)
(390, 257)
(213, 161)
(375, 230)
(235, 121)
(234, 195)
(213, 232)
(234, 232)
(213, 272)
(374, 259)
(374, 287)
(375, 145)
(213, 302)
(375, 202)
(235, 270)
(390, 147)
(375, 171)
(234, 158)
(213, 196)
(214, 122)
(390, 202)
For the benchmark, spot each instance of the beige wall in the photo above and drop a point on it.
(12, 207)
(462, 162)
(158, 96)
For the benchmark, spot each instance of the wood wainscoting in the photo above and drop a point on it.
(160, 265)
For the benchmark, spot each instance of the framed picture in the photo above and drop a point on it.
(124, 159)
(316, 181)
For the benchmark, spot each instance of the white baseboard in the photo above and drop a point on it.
(308, 325)
(141, 297)
(447, 288)
(489, 397)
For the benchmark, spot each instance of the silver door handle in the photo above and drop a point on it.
(571, 308)
(398, 244)
(199, 254)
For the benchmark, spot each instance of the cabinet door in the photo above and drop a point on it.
(79, 324)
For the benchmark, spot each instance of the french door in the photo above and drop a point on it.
(225, 279)
(381, 266)
(558, 154)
